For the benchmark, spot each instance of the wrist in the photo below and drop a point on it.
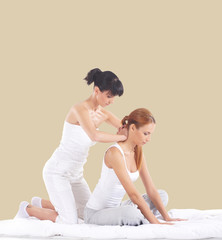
(122, 137)
(155, 222)
(166, 218)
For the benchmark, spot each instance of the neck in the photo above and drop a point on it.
(92, 102)
(128, 145)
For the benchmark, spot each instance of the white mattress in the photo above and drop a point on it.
(201, 224)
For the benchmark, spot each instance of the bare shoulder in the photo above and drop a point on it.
(104, 111)
(113, 151)
(74, 111)
(79, 107)
(107, 113)
(113, 157)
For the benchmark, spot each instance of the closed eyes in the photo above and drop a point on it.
(146, 133)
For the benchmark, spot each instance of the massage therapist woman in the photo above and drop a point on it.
(63, 172)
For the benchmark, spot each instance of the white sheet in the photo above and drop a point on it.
(200, 224)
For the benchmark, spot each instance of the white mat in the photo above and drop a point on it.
(200, 224)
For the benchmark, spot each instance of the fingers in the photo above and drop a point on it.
(167, 223)
(177, 219)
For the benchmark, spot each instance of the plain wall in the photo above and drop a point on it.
(167, 55)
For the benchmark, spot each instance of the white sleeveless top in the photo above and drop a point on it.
(74, 145)
(109, 191)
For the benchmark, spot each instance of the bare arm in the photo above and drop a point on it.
(114, 159)
(112, 119)
(153, 193)
(151, 190)
(83, 117)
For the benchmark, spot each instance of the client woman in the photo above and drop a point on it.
(122, 165)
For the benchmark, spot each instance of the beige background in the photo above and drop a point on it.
(166, 53)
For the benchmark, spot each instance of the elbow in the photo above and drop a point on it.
(94, 137)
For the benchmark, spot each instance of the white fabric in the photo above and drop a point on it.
(22, 213)
(63, 174)
(109, 191)
(37, 202)
(127, 213)
(201, 224)
(74, 145)
(68, 198)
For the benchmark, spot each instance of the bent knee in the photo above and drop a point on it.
(131, 216)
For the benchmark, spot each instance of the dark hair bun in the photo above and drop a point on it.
(105, 81)
(91, 76)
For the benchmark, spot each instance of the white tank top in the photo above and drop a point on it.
(109, 191)
(74, 145)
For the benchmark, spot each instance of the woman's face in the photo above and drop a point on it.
(142, 135)
(104, 98)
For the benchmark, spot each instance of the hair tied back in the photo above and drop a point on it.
(125, 120)
(92, 75)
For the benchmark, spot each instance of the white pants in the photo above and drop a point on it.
(67, 190)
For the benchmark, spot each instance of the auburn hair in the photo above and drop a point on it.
(139, 117)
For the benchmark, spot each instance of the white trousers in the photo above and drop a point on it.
(67, 189)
